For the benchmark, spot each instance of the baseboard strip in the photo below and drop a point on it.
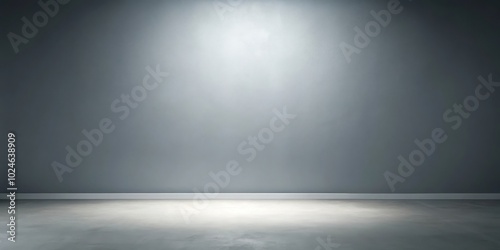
(254, 196)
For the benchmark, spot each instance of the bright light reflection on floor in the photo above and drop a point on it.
(235, 213)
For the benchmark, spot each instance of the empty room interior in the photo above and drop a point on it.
(252, 125)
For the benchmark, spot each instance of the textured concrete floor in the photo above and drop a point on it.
(301, 225)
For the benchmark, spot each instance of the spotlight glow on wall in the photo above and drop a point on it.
(246, 38)
(249, 32)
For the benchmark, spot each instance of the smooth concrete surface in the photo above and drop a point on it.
(254, 224)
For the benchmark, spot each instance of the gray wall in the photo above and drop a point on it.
(352, 119)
